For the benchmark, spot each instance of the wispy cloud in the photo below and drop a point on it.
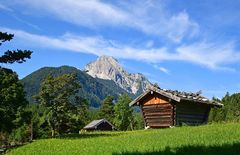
(162, 69)
(26, 22)
(149, 17)
(3, 7)
(213, 56)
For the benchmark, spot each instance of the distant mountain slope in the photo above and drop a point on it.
(106, 67)
(93, 89)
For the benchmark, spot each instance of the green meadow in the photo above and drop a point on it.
(208, 139)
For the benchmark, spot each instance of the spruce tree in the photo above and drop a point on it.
(107, 109)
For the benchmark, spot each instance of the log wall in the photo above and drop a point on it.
(157, 111)
(191, 113)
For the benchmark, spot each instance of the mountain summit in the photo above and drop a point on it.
(107, 67)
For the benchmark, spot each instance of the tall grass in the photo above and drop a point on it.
(208, 139)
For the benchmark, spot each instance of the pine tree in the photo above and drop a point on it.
(12, 97)
(11, 56)
(106, 110)
(82, 116)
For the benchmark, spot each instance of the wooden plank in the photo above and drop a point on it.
(191, 108)
(190, 111)
(157, 117)
(156, 105)
(191, 119)
(159, 121)
(194, 114)
(157, 114)
(191, 116)
(157, 111)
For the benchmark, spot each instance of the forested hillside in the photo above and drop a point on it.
(92, 89)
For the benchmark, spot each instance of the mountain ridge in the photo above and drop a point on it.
(93, 89)
(108, 68)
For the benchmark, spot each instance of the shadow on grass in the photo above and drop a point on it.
(225, 149)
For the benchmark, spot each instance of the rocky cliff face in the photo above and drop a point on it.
(106, 67)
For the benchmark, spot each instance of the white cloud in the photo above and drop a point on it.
(213, 56)
(87, 13)
(180, 25)
(162, 69)
(147, 16)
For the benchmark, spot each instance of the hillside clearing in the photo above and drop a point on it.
(208, 139)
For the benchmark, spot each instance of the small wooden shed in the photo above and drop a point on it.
(99, 125)
(165, 108)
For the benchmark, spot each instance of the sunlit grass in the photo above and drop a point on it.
(208, 139)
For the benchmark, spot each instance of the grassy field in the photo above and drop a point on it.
(209, 139)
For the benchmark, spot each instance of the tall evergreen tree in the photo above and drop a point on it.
(123, 113)
(80, 117)
(11, 99)
(107, 109)
(55, 94)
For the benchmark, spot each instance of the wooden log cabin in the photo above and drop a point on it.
(165, 108)
(99, 125)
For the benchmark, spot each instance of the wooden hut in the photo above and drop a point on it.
(99, 125)
(165, 108)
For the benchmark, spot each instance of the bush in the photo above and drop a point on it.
(20, 135)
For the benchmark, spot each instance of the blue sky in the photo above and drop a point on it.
(182, 44)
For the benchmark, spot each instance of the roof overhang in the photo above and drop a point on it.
(172, 97)
(212, 103)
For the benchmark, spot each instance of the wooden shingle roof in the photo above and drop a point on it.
(95, 123)
(178, 96)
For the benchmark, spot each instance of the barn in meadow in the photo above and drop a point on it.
(99, 125)
(165, 108)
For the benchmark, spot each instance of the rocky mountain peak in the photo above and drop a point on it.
(107, 67)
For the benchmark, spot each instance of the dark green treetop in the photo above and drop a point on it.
(11, 56)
